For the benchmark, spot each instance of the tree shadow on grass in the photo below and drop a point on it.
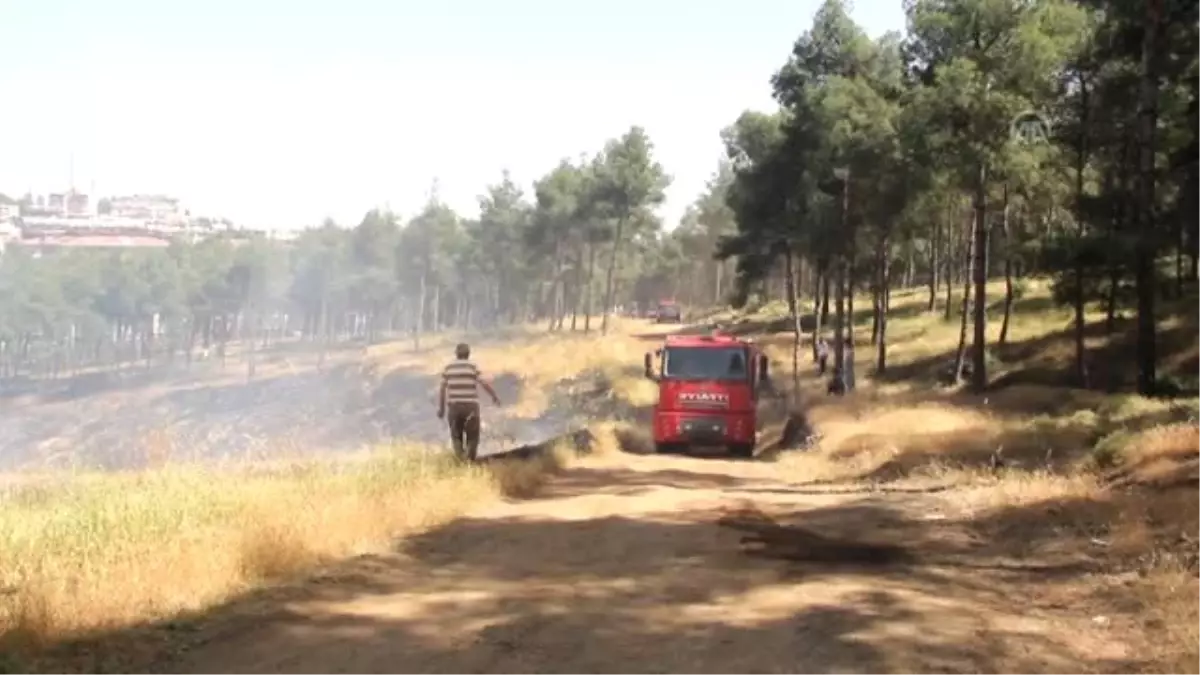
(1048, 360)
(1021, 438)
(1057, 448)
(864, 316)
(556, 590)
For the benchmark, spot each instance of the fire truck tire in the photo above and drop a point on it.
(743, 450)
(666, 448)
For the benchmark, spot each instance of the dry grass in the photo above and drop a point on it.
(1141, 505)
(1083, 462)
(1168, 600)
(99, 551)
(544, 364)
(87, 552)
(614, 364)
(1158, 517)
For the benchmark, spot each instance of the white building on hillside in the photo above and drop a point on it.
(154, 208)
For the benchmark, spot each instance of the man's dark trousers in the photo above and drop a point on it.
(464, 428)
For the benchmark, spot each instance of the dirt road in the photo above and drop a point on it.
(637, 564)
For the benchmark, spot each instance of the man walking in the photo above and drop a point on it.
(461, 381)
(822, 355)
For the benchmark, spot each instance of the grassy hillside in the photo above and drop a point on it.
(81, 552)
(1034, 467)
(1101, 472)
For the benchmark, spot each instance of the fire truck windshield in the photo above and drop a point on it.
(705, 363)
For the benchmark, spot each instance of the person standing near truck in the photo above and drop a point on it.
(459, 396)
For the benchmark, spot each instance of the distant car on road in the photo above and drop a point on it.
(668, 312)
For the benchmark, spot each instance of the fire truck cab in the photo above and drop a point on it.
(708, 389)
(668, 311)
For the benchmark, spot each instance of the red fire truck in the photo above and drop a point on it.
(708, 388)
(668, 311)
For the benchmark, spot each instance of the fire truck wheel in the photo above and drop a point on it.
(743, 450)
(666, 448)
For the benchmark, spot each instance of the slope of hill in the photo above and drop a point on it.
(896, 542)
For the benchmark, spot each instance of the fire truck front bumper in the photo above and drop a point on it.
(703, 428)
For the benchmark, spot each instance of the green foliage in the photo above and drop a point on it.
(519, 259)
(882, 156)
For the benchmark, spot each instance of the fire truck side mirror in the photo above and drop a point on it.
(649, 366)
(762, 367)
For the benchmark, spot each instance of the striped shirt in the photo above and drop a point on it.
(461, 378)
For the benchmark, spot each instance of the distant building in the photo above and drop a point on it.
(73, 220)
(78, 204)
(70, 204)
(151, 208)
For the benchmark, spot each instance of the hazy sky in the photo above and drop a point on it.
(281, 112)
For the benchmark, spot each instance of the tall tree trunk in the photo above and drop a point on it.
(1081, 158)
(934, 263)
(498, 309)
(560, 304)
(249, 344)
(1110, 300)
(979, 271)
(820, 289)
(951, 240)
(1146, 248)
(877, 289)
(1180, 243)
(720, 269)
(555, 299)
(1006, 234)
(824, 313)
(875, 292)
(419, 324)
(969, 260)
(587, 302)
(558, 292)
(1119, 183)
(844, 350)
(794, 310)
(848, 361)
(839, 318)
(576, 288)
(436, 323)
(608, 277)
(885, 285)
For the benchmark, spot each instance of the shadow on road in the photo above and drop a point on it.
(552, 587)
